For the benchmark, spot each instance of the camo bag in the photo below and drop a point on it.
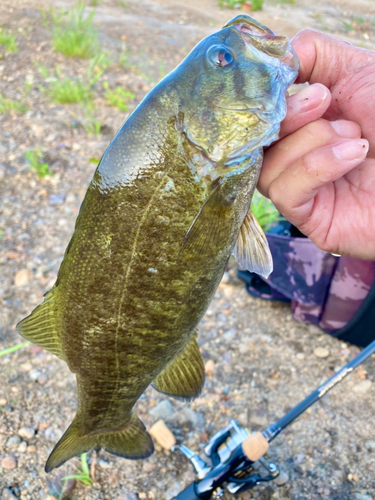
(335, 293)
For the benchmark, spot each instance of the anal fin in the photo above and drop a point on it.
(40, 326)
(251, 250)
(183, 378)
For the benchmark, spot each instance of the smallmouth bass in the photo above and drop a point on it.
(168, 204)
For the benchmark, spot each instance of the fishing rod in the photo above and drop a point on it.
(235, 456)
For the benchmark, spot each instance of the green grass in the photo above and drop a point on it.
(73, 33)
(83, 474)
(237, 4)
(14, 348)
(35, 159)
(8, 41)
(124, 56)
(117, 97)
(94, 3)
(66, 90)
(292, 2)
(265, 211)
(91, 123)
(9, 105)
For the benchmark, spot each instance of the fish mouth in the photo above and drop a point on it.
(256, 35)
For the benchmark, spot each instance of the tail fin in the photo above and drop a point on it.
(131, 441)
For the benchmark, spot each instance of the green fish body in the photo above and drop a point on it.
(168, 204)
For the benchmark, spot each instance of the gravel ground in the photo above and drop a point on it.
(262, 362)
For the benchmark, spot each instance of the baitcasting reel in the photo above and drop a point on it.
(218, 452)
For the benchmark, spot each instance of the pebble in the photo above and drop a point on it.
(370, 445)
(163, 435)
(22, 277)
(362, 387)
(34, 374)
(13, 442)
(321, 352)
(209, 367)
(148, 467)
(3, 402)
(26, 433)
(281, 479)
(173, 490)
(189, 416)
(42, 379)
(26, 367)
(127, 496)
(8, 495)
(9, 462)
(142, 495)
(163, 410)
(22, 447)
(300, 356)
(362, 496)
(31, 449)
(56, 199)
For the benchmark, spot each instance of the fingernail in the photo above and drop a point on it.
(346, 128)
(351, 150)
(309, 98)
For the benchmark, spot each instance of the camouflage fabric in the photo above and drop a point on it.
(324, 290)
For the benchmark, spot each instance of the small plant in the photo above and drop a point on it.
(9, 105)
(35, 159)
(83, 474)
(237, 4)
(14, 348)
(2, 231)
(258, 4)
(117, 97)
(91, 123)
(265, 211)
(292, 2)
(72, 34)
(124, 56)
(94, 3)
(68, 91)
(8, 41)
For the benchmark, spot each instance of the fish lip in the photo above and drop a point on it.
(256, 35)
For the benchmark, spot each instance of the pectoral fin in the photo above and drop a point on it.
(183, 378)
(206, 232)
(251, 250)
(40, 326)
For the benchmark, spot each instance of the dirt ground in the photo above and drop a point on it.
(264, 360)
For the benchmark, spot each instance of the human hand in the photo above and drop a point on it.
(317, 174)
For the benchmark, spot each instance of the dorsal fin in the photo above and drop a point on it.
(40, 326)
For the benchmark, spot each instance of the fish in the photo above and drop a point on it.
(167, 205)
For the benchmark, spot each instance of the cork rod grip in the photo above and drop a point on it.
(255, 446)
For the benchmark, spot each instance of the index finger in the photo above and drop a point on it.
(307, 105)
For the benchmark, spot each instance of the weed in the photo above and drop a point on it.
(66, 90)
(237, 4)
(257, 4)
(122, 3)
(83, 474)
(8, 40)
(94, 3)
(91, 123)
(117, 97)
(9, 105)
(72, 34)
(35, 159)
(2, 232)
(124, 56)
(14, 348)
(265, 211)
(292, 2)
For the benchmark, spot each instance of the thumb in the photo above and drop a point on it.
(323, 59)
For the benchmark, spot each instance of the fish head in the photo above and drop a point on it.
(237, 93)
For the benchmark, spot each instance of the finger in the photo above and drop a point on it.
(305, 106)
(293, 191)
(325, 59)
(314, 135)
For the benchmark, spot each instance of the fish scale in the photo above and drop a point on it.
(168, 204)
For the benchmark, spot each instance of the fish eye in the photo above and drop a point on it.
(220, 56)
